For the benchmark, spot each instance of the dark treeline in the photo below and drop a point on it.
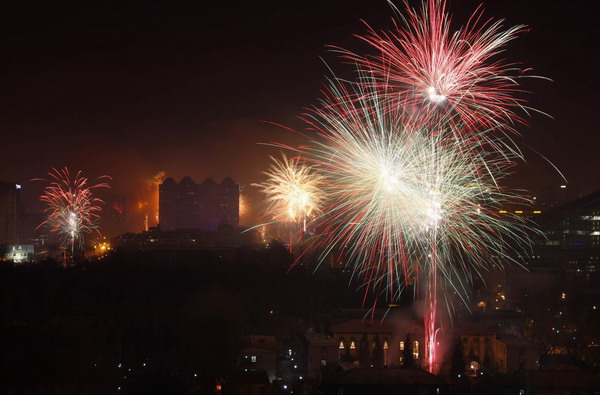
(152, 323)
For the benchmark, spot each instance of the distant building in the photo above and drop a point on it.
(572, 236)
(321, 351)
(223, 242)
(206, 206)
(385, 343)
(9, 203)
(259, 353)
(378, 343)
(19, 253)
(520, 353)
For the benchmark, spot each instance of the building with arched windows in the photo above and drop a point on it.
(379, 343)
(399, 341)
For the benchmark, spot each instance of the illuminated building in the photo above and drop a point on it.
(9, 202)
(206, 206)
(259, 353)
(378, 343)
(383, 343)
(572, 236)
(19, 253)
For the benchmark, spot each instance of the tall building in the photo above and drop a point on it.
(572, 236)
(206, 206)
(9, 203)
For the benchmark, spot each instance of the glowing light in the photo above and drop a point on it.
(411, 156)
(292, 190)
(424, 61)
(434, 96)
(72, 210)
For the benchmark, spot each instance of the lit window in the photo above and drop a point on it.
(253, 358)
(415, 349)
(385, 346)
(352, 346)
(342, 345)
(401, 346)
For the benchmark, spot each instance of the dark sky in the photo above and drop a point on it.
(128, 90)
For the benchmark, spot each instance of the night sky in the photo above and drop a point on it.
(128, 90)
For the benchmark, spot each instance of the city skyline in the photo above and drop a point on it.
(133, 91)
(300, 197)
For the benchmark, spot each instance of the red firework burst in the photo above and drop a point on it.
(440, 75)
(72, 210)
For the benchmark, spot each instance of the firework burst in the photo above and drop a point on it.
(410, 159)
(392, 190)
(72, 210)
(437, 73)
(403, 199)
(292, 190)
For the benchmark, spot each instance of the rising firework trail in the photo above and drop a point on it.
(403, 199)
(411, 156)
(72, 210)
(454, 80)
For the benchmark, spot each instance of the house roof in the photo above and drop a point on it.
(255, 351)
(320, 339)
(401, 326)
(262, 342)
(591, 201)
(391, 325)
(515, 341)
(470, 328)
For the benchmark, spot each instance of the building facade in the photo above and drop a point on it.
(259, 353)
(206, 206)
(389, 342)
(572, 236)
(9, 203)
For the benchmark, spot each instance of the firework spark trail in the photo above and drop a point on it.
(402, 197)
(426, 68)
(443, 77)
(72, 210)
(293, 193)
(411, 155)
